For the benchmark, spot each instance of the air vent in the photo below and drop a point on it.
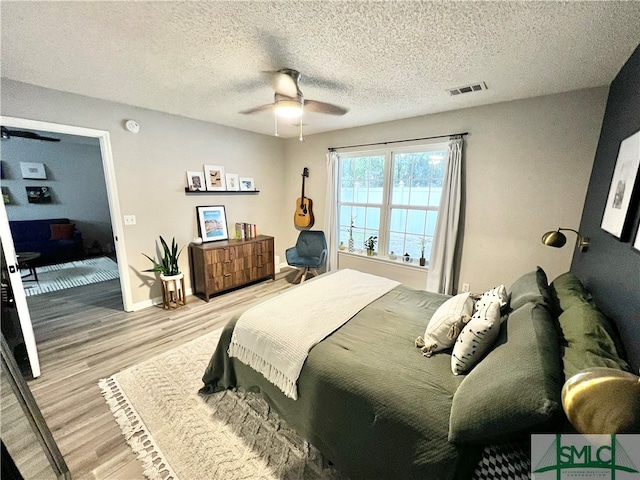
(475, 87)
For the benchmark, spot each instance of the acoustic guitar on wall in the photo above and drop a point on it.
(303, 218)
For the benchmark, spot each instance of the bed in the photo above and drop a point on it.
(377, 408)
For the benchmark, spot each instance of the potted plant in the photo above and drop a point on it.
(351, 249)
(170, 274)
(169, 263)
(370, 244)
(423, 243)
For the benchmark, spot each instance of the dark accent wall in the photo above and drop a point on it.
(610, 268)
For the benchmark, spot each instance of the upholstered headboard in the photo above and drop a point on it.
(610, 268)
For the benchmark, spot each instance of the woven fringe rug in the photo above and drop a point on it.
(178, 434)
(69, 275)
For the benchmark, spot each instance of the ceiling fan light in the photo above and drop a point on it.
(288, 109)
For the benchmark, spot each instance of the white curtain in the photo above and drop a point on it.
(331, 211)
(441, 262)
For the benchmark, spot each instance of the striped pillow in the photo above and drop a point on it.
(476, 338)
(446, 324)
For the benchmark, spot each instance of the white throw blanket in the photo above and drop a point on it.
(275, 336)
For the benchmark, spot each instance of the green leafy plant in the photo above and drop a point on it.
(370, 243)
(169, 262)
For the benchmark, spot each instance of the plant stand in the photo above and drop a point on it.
(173, 291)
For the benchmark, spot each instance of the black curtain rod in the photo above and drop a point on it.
(333, 149)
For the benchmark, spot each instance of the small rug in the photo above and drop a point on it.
(178, 434)
(69, 275)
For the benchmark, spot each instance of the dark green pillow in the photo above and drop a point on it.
(531, 287)
(589, 340)
(569, 291)
(516, 386)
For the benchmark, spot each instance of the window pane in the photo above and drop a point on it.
(415, 175)
(373, 219)
(396, 243)
(346, 194)
(416, 221)
(375, 193)
(398, 219)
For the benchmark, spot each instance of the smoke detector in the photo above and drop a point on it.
(474, 87)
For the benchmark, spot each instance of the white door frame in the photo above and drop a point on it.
(112, 190)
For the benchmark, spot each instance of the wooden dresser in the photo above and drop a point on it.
(220, 266)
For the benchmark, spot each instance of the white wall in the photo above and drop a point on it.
(151, 170)
(527, 166)
(75, 178)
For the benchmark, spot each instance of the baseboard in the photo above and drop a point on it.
(154, 301)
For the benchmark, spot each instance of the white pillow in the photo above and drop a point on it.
(446, 324)
(476, 338)
(498, 294)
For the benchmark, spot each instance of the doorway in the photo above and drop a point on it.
(112, 195)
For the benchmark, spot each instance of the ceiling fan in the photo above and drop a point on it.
(7, 134)
(289, 102)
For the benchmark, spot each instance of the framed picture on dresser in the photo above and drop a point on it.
(212, 223)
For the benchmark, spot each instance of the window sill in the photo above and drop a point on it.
(414, 263)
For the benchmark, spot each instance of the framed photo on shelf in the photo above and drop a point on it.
(38, 194)
(233, 182)
(212, 223)
(195, 181)
(214, 177)
(622, 184)
(247, 184)
(34, 171)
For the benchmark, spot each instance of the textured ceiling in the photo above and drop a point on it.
(382, 60)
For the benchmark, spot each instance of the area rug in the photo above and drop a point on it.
(68, 275)
(178, 434)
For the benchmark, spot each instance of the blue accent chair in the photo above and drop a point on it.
(309, 254)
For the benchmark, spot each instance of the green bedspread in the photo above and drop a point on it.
(368, 399)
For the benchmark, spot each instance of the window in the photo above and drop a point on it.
(391, 194)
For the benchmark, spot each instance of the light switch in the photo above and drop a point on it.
(129, 219)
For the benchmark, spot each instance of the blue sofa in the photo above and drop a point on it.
(60, 243)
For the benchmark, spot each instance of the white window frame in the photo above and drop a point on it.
(386, 206)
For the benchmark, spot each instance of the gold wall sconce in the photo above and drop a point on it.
(557, 239)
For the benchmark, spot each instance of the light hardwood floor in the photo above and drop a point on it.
(83, 335)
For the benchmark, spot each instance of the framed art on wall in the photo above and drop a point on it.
(38, 194)
(212, 223)
(214, 177)
(622, 185)
(247, 184)
(34, 171)
(195, 180)
(233, 182)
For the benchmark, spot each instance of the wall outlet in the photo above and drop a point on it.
(129, 219)
(465, 287)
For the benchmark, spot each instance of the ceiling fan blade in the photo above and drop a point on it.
(6, 133)
(322, 107)
(261, 108)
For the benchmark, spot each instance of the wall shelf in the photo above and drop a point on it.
(221, 192)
